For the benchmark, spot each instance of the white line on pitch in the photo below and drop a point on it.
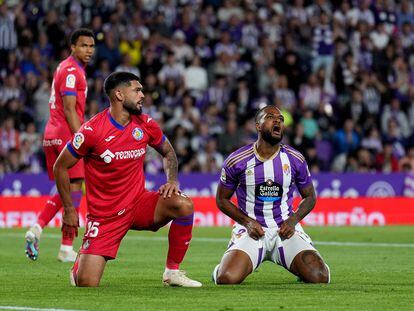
(32, 309)
(224, 240)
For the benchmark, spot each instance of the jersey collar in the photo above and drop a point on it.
(77, 63)
(114, 123)
(256, 153)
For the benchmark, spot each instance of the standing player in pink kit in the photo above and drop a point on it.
(113, 145)
(67, 109)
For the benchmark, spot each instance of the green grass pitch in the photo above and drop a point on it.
(377, 276)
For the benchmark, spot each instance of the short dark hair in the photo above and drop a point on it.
(259, 112)
(80, 32)
(117, 78)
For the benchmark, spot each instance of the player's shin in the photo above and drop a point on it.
(53, 205)
(179, 238)
(66, 252)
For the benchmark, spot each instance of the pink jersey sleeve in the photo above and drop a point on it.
(69, 80)
(156, 136)
(82, 141)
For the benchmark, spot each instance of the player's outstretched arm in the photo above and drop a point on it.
(306, 205)
(223, 197)
(171, 169)
(70, 218)
(69, 107)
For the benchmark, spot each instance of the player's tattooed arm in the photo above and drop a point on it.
(223, 200)
(170, 167)
(287, 229)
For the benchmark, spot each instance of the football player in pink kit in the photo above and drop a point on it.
(67, 109)
(113, 145)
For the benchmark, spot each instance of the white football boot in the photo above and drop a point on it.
(178, 278)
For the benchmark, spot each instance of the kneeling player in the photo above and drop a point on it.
(263, 175)
(113, 145)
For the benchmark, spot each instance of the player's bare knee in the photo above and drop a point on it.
(228, 278)
(87, 281)
(185, 207)
(318, 275)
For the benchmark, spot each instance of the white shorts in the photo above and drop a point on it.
(270, 246)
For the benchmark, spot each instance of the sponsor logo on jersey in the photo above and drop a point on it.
(130, 154)
(223, 177)
(71, 69)
(109, 138)
(107, 156)
(286, 169)
(52, 142)
(70, 81)
(88, 128)
(269, 191)
(78, 140)
(137, 133)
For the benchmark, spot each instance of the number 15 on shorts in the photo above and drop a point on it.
(93, 229)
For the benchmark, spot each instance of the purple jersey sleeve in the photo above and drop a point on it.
(303, 177)
(228, 178)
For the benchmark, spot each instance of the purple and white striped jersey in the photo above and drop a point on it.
(264, 188)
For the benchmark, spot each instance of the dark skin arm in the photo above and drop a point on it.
(69, 107)
(171, 169)
(223, 197)
(70, 219)
(287, 229)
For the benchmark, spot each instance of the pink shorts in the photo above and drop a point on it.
(104, 235)
(52, 149)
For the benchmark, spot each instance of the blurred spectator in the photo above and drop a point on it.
(195, 77)
(346, 138)
(393, 111)
(385, 161)
(10, 137)
(406, 164)
(126, 65)
(172, 69)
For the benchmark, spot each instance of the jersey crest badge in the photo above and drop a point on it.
(286, 169)
(137, 133)
(78, 140)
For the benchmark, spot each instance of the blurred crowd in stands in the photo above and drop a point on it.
(340, 71)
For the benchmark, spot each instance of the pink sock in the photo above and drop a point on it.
(179, 238)
(76, 199)
(52, 206)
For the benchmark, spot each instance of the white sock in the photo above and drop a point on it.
(66, 248)
(170, 270)
(38, 228)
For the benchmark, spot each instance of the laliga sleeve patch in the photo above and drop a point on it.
(223, 175)
(78, 140)
(70, 81)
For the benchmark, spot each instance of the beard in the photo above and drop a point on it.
(132, 108)
(267, 137)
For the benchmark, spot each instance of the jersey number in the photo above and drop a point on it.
(93, 229)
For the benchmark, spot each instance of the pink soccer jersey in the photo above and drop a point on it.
(114, 160)
(69, 80)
